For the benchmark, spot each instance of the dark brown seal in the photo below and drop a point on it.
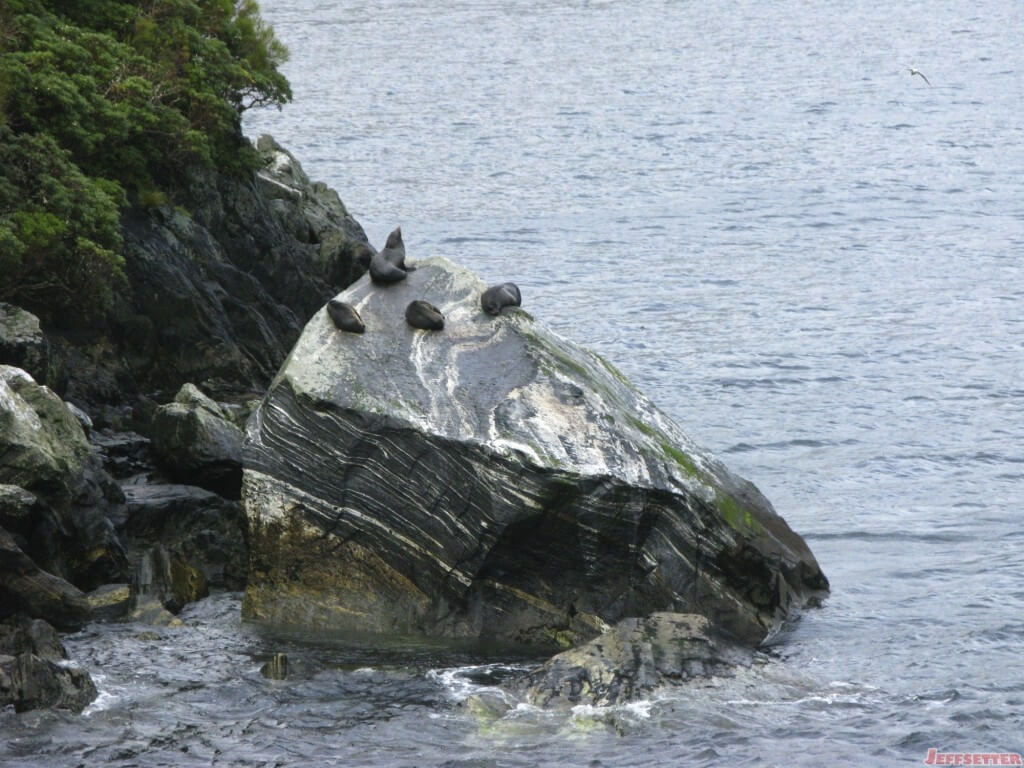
(424, 315)
(345, 316)
(388, 266)
(497, 297)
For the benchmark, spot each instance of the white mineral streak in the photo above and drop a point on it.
(594, 436)
(274, 500)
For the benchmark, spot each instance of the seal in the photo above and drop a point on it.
(424, 315)
(345, 316)
(497, 297)
(388, 266)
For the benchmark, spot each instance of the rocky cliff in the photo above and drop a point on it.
(493, 479)
(217, 287)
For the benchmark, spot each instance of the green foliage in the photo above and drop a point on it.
(59, 229)
(102, 96)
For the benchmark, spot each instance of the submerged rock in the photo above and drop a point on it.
(633, 659)
(494, 480)
(30, 682)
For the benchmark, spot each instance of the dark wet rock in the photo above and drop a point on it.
(45, 451)
(162, 579)
(19, 509)
(198, 527)
(19, 634)
(111, 602)
(124, 453)
(195, 442)
(217, 288)
(30, 682)
(495, 480)
(634, 659)
(28, 590)
(23, 343)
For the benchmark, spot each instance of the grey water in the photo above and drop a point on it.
(808, 257)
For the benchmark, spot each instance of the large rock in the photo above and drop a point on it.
(44, 451)
(28, 590)
(634, 659)
(21, 635)
(493, 479)
(29, 682)
(195, 443)
(218, 293)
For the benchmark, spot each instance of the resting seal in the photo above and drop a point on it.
(498, 296)
(345, 316)
(423, 314)
(389, 266)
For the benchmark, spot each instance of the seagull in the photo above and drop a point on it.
(918, 72)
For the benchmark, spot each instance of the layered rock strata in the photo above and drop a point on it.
(493, 480)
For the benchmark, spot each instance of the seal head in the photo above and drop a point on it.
(345, 316)
(497, 297)
(424, 315)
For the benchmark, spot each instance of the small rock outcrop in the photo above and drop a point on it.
(162, 585)
(29, 682)
(634, 659)
(57, 537)
(494, 480)
(196, 443)
(22, 342)
(33, 670)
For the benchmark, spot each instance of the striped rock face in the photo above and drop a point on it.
(492, 480)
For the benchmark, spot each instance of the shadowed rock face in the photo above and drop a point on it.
(495, 480)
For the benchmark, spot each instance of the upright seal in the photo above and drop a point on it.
(388, 266)
(424, 315)
(497, 297)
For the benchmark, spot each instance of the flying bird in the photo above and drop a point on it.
(918, 72)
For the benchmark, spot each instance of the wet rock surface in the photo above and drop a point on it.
(495, 480)
(633, 660)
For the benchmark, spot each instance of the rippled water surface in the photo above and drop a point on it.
(807, 256)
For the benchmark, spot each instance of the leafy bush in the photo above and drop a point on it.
(100, 97)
